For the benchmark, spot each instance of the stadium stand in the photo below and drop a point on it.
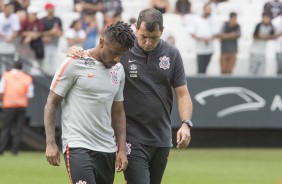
(249, 13)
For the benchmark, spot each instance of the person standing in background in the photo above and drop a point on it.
(75, 34)
(52, 30)
(229, 36)
(277, 23)
(90, 26)
(112, 10)
(203, 32)
(182, 7)
(16, 88)
(273, 8)
(83, 6)
(161, 5)
(9, 28)
(31, 32)
(264, 31)
(21, 8)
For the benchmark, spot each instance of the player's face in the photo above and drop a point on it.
(266, 20)
(148, 40)
(110, 52)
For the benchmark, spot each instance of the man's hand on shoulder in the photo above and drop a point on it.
(75, 52)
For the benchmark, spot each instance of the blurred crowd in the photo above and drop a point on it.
(23, 35)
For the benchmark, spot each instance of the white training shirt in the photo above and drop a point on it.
(205, 28)
(277, 23)
(89, 90)
(8, 26)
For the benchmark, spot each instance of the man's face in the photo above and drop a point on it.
(9, 9)
(50, 11)
(233, 20)
(266, 20)
(207, 11)
(148, 40)
(110, 52)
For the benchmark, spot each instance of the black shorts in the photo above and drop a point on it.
(91, 167)
(146, 164)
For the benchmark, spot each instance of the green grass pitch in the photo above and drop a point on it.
(190, 166)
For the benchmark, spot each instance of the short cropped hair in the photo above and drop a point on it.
(152, 18)
(121, 33)
(18, 65)
(232, 14)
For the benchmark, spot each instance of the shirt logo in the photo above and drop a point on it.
(133, 67)
(164, 62)
(81, 182)
(114, 77)
(128, 148)
(130, 61)
(90, 75)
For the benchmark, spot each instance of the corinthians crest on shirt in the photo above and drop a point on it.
(164, 62)
(114, 77)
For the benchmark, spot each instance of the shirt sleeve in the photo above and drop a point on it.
(69, 33)
(82, 34)
(64, 78)
(16, 24)
(179, 77)
(119, 95)
(256, 32)
(277, 24)
(238, 31)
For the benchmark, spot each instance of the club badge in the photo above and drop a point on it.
(114, 77)
(128, 148)
(164, 62)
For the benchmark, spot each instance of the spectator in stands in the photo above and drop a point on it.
(182, 7)
(52, 27)
(16, 89)
(132, 22)
(273, 8)
(1, 5)
(229, 36)
(76, 35)
(9, 27)
(21, 8)
(83, 6)
(277, 23)
(264, 31)
(162, 5)
(31, 31)
(90, 27)
(171, 40)
(203, 32)
(112, 10)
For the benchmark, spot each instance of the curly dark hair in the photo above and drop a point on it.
(121, 33)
